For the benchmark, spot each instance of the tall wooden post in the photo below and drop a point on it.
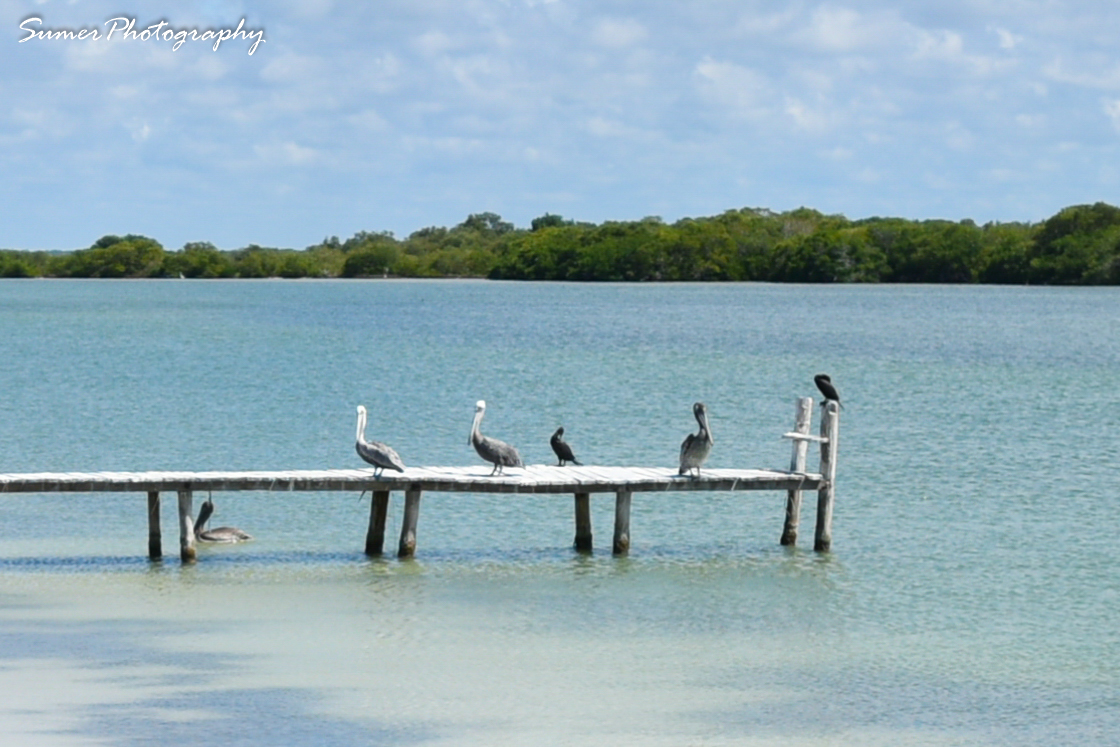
(802, 424)
(407, 546)
(622, 523)
(186, 528)
(583, 522)
(155, 540)
(378, 511)
(830, 442)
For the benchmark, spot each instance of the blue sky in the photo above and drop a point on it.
(393, 116)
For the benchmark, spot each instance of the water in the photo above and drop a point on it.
(970, 597)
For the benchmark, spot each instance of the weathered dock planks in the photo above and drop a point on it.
(537, 478)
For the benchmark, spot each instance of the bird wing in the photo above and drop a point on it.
(686, 445)
(380, 455)
(564, 451)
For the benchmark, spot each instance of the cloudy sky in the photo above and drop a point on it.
(396, 115)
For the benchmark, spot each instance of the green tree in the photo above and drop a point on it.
(1078, 245)
(198, 259)
(130, 256)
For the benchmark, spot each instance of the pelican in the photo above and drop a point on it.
(380, 455)
(827, 389)
(697, 446)
(499, 453)
(561, 448)
(219, 534)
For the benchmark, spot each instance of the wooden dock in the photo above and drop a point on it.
(580, 481)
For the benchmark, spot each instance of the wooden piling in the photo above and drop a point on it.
(407, 546)
(802, 423)
(622, 522)
(186, 528)
(830, 435)
(583, 522)
(378, 511)
(155, 540)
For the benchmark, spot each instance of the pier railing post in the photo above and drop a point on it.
(583, 522)
(407, 546)
(622, 523)
(155, 540)
(378, 511)
(186, 527)
(830, 435)
(802, 423)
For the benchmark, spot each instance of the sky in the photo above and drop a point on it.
(395, 115)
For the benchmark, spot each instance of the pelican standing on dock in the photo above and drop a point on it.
(561, 449)
(380, 455)
(824, 383)
(218, 534)
(498, 453)
(697, 446)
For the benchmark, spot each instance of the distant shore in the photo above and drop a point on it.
(1080, 245)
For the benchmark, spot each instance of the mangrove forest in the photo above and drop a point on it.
(1080, 245)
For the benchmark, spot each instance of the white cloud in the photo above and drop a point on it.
(732, 86)
(432, 43)
(843, 30)
(602, 127)
(1008, 40)
(617, 33)
(286, 153)
(814, 120)
(139, 130)
(1097, 72)
(1112, 111)
(751, 23)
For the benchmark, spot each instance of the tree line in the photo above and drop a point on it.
(1080, 245)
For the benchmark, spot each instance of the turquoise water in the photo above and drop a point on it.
(969, 599)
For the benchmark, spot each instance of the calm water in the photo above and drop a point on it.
(970, 599)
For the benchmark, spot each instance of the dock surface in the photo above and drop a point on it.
(538, 478)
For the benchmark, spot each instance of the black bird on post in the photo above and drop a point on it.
(824, 383)
(561, 449)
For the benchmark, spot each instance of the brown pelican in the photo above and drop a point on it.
(696, 446)
(499, 453)
(219, 534)
(561, 448)
(827, 389)
(380, 455)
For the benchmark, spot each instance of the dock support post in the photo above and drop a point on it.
(802, 424)
(830, 433)
(378, 510)
(622, 523)
(155, 540)
(583, 522)
(407, 546)
(186, 527)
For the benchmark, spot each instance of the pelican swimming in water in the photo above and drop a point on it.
(696, 446)
(499, 453)
(560, 447)
(380, 455)
(824, 383)
(218, 534)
